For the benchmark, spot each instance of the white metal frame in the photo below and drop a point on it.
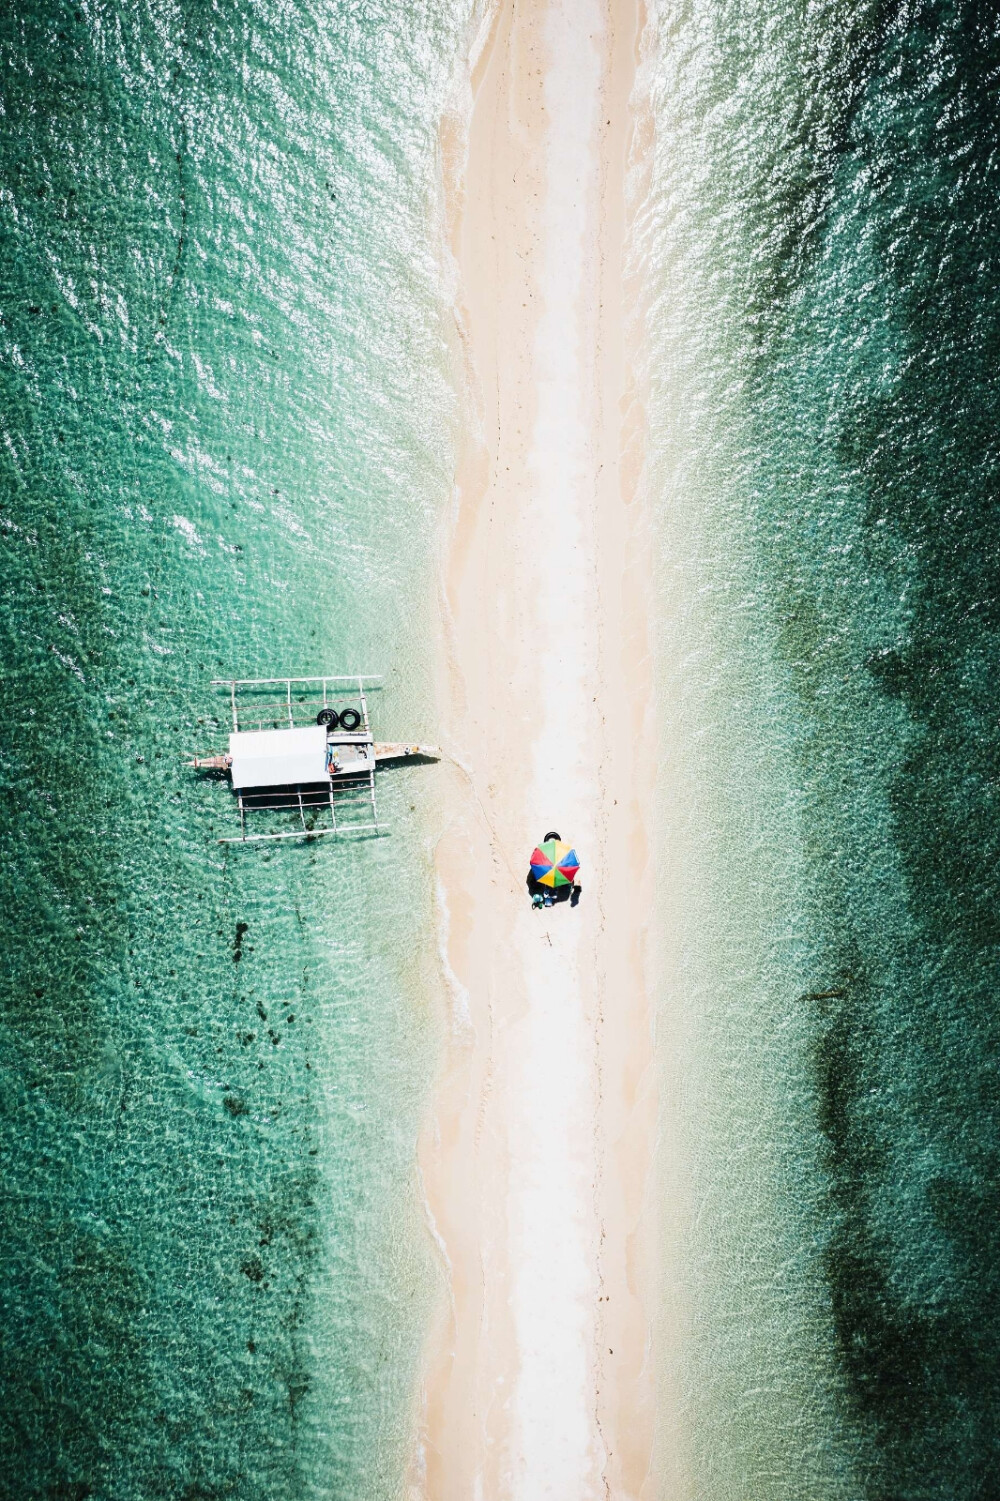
(317, 798)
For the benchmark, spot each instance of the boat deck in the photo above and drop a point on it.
(261, 704)
(321, 779)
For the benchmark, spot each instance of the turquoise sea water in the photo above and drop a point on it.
(227, 419)
(225, 430)
(821, 245)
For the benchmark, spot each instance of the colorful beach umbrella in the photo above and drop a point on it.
(554, 863)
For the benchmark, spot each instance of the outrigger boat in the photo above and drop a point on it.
(304, 747)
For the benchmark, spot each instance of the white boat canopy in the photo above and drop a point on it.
(279, 758)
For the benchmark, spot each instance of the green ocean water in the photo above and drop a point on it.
(822, 254)
(227, 417)
(226, 420)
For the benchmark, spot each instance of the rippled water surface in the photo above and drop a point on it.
(822, 249)
(227, 418)
(226, 422)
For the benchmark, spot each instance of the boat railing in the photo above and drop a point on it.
(289, 703)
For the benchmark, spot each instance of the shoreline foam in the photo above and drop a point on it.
(537, 1160)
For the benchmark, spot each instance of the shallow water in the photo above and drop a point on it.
(227, 422)
(821, 246)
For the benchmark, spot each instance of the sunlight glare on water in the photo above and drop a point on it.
(227, 423)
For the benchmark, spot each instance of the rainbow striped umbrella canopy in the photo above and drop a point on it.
(554, 863)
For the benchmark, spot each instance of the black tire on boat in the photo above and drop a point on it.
(550, 835)
(349, 719)
(329, 717)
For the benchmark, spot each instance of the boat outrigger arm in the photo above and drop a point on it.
(295, 742)
(382, 750)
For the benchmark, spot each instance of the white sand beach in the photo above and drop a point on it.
(537, 1159)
